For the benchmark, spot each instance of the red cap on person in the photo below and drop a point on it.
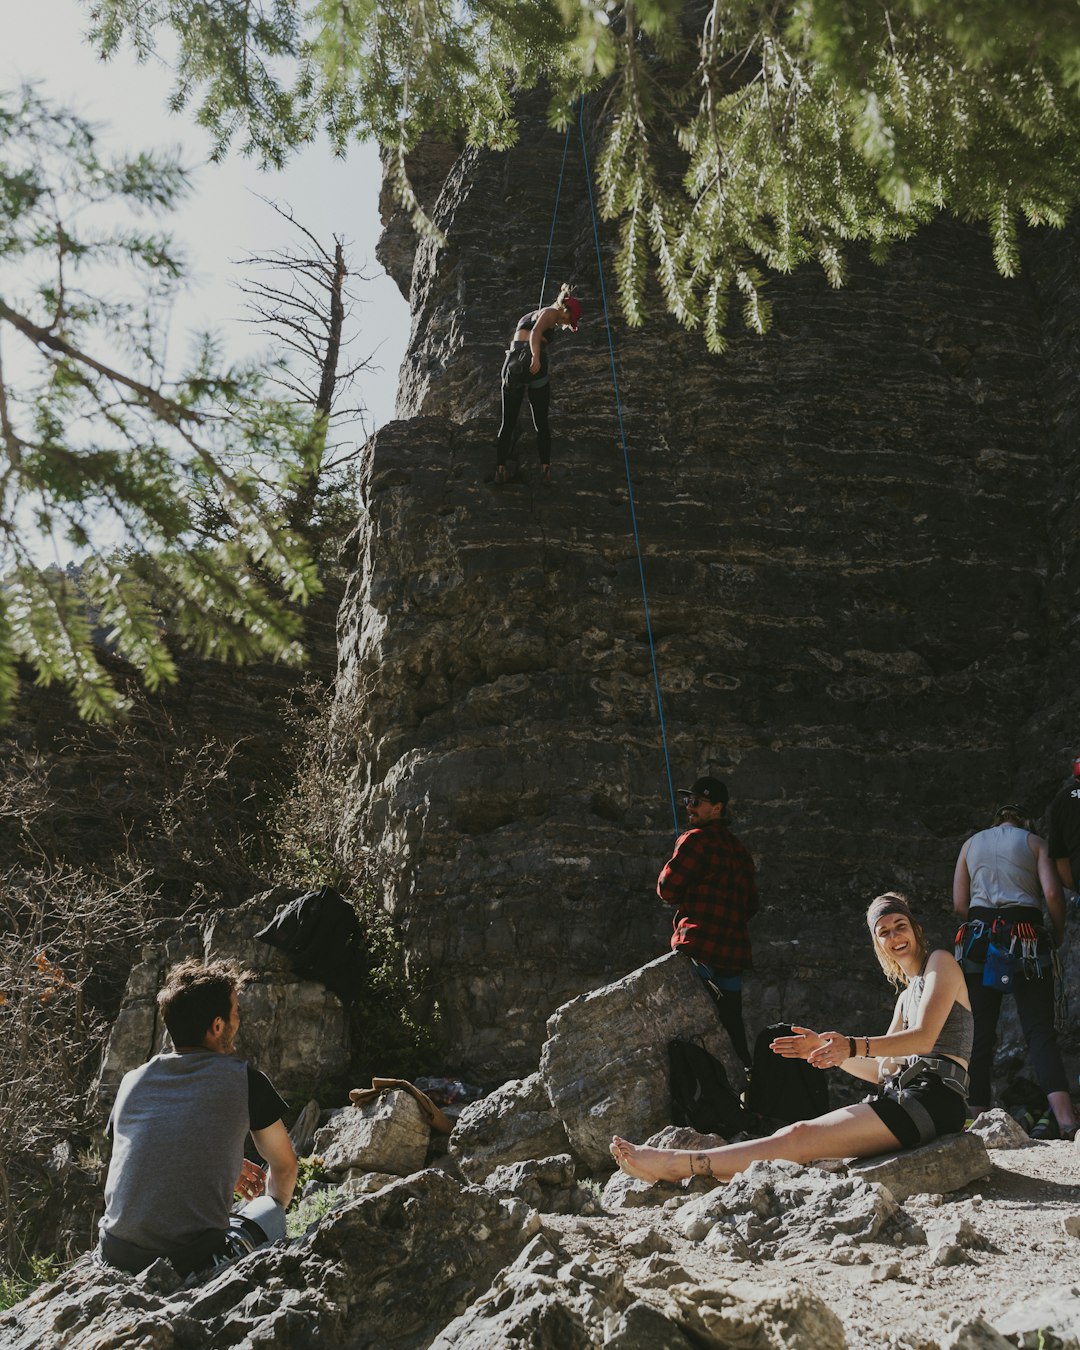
(573, 305)
(1076, 767)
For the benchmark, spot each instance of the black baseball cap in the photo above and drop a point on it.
(709, 789)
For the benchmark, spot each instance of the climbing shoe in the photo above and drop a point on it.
(1046, 1127)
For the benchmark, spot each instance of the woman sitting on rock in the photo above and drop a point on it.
(919, 1065)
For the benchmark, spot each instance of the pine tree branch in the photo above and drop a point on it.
(161, 406)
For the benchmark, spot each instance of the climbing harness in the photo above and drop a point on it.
(967, 935)
(1004, 951)
(622, 433)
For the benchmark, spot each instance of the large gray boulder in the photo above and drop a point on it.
(387, 1270)
(388, 1134)
(515, 1123)
(605, 1061)
(767, 1317)
(945, 1164)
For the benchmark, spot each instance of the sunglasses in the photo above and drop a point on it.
(693, 801)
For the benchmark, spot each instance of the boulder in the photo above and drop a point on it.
(767, 1317)
(641, 1326)
(547, 1185)
(605, 1062)
(385, 1270)
(388, 1134)
(512, 1124)
(945, 1164)
(977, 1335)
(545, 1300)
(776, 1208)
(997, 1129)
(1037, 1321)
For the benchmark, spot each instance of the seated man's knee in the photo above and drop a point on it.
(268, 1215)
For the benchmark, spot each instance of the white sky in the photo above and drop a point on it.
(223, 221)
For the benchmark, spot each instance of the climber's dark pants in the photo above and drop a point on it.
(539, 402)
(726, 993)
(1035, 1006)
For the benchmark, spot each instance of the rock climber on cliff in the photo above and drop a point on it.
(525, 370)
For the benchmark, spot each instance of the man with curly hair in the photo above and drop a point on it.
(179, 1125)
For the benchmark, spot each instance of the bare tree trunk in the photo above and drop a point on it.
(302, 507)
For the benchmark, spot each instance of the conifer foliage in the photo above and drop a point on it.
(738, 137)
(166, 484)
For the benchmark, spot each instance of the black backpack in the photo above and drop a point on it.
(321, 933)
(701, 1095)
(785, 1089)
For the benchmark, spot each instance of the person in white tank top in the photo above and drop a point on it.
(1006, 874)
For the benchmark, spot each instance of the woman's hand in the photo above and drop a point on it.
(832, 1051)
(799, 1045)
(534, 364)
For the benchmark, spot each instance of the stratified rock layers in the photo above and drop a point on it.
(845, 542)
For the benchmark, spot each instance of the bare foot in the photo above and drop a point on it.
(650, 1164)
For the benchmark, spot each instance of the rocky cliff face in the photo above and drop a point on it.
(860, 571)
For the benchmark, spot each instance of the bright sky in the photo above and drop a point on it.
(224, 220)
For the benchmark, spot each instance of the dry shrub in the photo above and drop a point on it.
(149, 820)
(306, 822)
(306, 825)
(66, 941)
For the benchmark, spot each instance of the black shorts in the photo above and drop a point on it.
(925, 1108)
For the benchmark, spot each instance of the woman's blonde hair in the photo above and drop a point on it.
(892, 902)
(564, 290)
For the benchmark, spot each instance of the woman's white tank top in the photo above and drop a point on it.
(1002, 868)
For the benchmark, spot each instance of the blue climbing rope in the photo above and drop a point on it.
(554, 218)
(626, 456)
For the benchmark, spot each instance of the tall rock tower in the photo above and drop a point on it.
(856, 543)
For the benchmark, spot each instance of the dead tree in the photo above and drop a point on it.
(303, 300)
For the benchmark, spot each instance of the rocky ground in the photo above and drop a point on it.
(782, 1258)
(1019, 1243)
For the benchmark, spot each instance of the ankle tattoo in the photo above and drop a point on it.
(700, 1165)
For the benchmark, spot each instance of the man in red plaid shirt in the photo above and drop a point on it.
(710, 881)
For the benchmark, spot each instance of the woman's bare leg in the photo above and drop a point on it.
(849, 1132)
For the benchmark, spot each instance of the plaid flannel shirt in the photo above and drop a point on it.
(710, 879)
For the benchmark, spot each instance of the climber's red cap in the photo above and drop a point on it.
(573, 306)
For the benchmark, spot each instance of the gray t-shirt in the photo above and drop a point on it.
(179, 1124)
